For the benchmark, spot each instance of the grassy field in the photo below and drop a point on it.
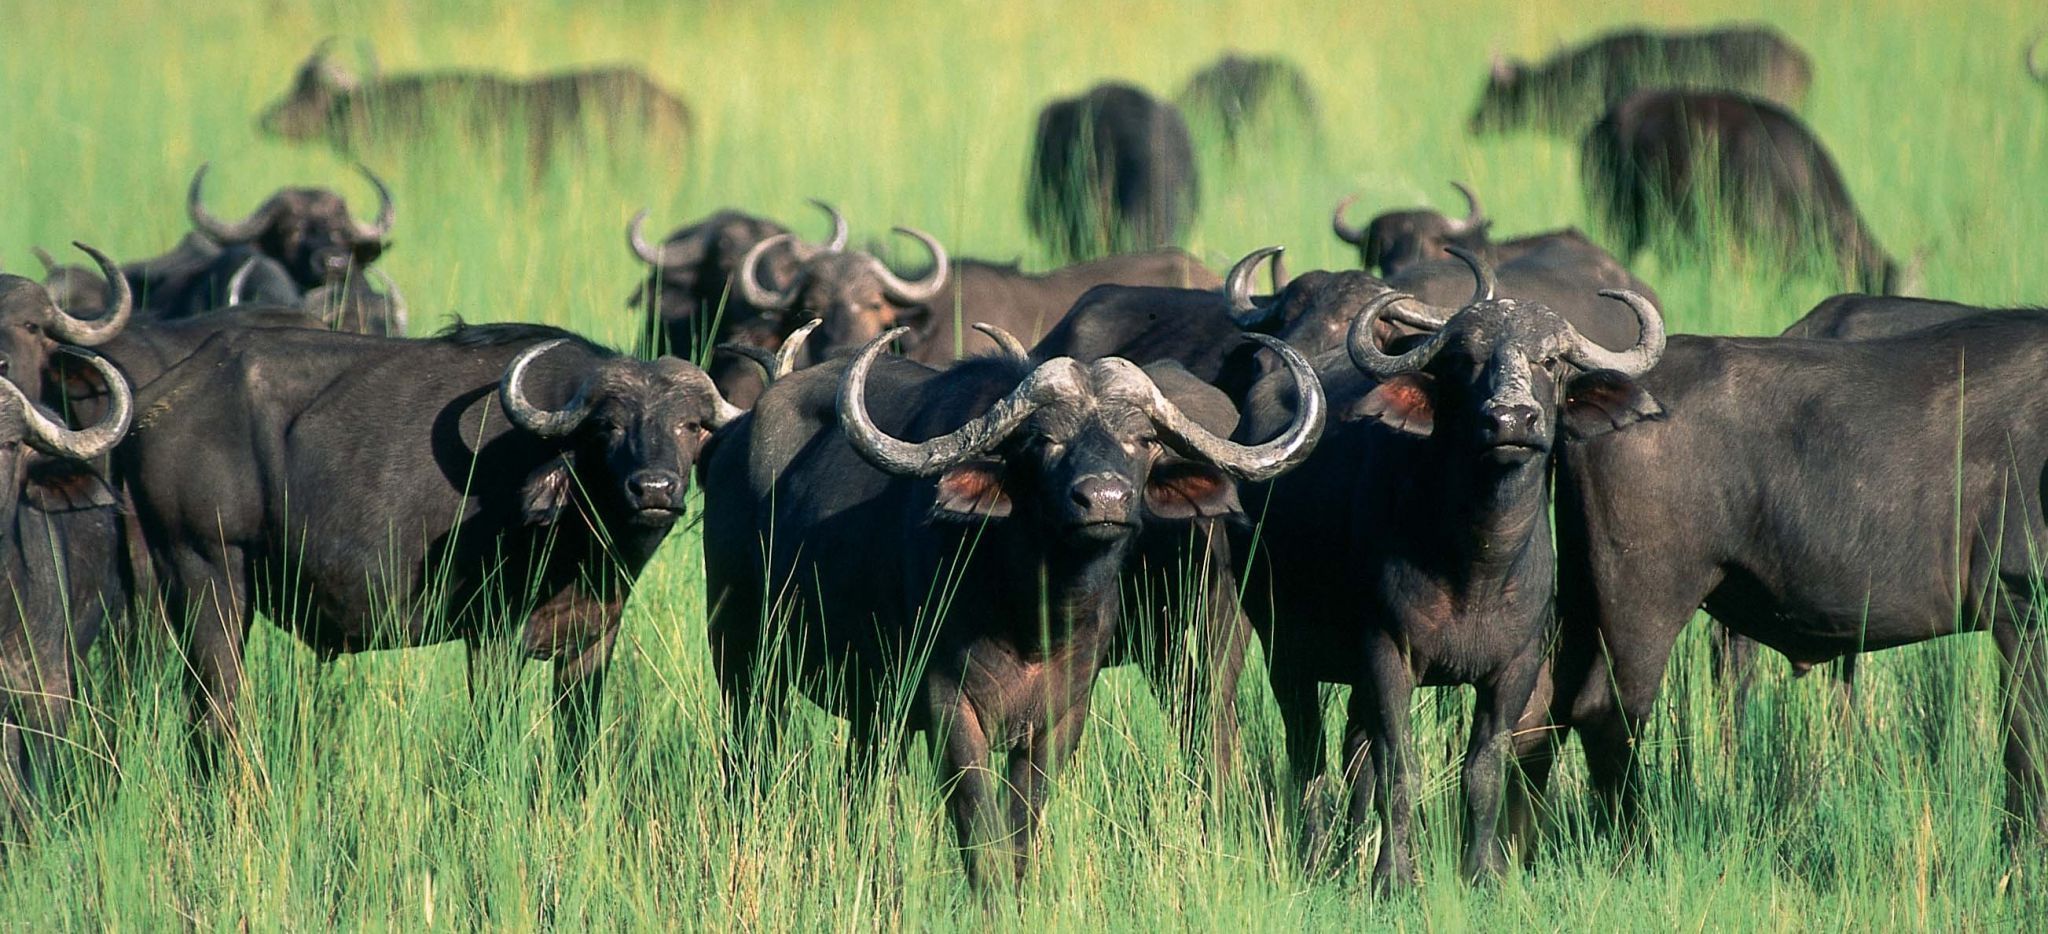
(371, 796)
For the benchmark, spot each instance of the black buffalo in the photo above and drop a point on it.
(60, 552)
(1821, 497)
(1570, 90)
(33, 325)
(857, 296)
(327, 103)
(497, 477)
(691, 299)
(1242, 95)
(344, 304)
(1685, 169)
(1112, 171)
(1854, 316)
(1009, 525)
(307, 231)
(1413, 547)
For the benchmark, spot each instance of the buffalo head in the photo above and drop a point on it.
(305, 111)
(852, 292)
(1086, 452)
(307, 230)
(1495, 375)
(637, 424)
(33, 324)
(1507, 100)
(342, 304)
(55, 477)
(1401, 238)
(695, 266)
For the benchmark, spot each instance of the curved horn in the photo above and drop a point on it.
(1011, 346)
(1363, 342)
(240, 231)
(658, 257)
(751, 289)
(1344, 231)
(91, 333)
(723, 413)
(1249, 462)
(49, 436)
(1634, 361)
(1052, 380)
(838, 241)
(239, 280)
(1482, 275)
(387, 210)
(1475, 214)
(400, 311)
(916, 293)
(43, 256)
(1238, 286)
(779, 363)
(547, 423)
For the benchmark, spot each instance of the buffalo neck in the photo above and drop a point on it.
(1475, 520)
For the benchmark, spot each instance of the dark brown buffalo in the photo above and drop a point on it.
(60, 579)
(1018, 487)
(691, 300)
(33, 325)
(1570, 90)
(1685, 171)
(1112, 171)
(857, 296)
(1246, 95)
(499, 477)
(327, 103)
(308, 231)
(345, 304)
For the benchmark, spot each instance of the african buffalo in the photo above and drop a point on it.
(308, 231)
(1570, 90)
(858, 297)
(1413, 547)
(690, 298)
(1240, 95)
(1821, 497)
(496, 477)
(343, 304)
(1112, 171)
(33, 325)
(1009, 524)
(60, 552)
(329, 104)
(1697, 167)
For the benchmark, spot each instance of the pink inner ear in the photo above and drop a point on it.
(974, 489)
(1188, 491)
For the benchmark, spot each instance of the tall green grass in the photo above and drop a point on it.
(374, 795)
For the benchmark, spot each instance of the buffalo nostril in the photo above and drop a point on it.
(1511, 420)
(1101, 494)
(657, 486)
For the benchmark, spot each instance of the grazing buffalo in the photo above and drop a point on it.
(60, 553)
(1570, 90)
(1010, 520)
(858, 297)
(496, 477)
(1700, 166)
(1414, 549)
(1242, 95)
(345, 304)
(1112, 171)
(33, 325)
(690, 299)
(351, 114)
(1914, 514)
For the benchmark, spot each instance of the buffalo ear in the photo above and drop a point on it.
(1405, 403)
(367, 251)
(973, 490)
(1602, 401)
(546, 491)
(1184, 489)
(59, 485)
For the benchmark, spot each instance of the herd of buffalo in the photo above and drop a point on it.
(1472, 461)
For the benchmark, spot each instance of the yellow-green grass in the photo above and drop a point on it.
(371, 800)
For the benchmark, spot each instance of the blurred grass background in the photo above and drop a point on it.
(374, 797)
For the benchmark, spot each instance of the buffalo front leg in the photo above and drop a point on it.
(1536, 739)
(579, 698)
(960, 745)
(1500, 703)
(1387, 689)
(1033, 764)
(2026, 732)
(210, 603)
